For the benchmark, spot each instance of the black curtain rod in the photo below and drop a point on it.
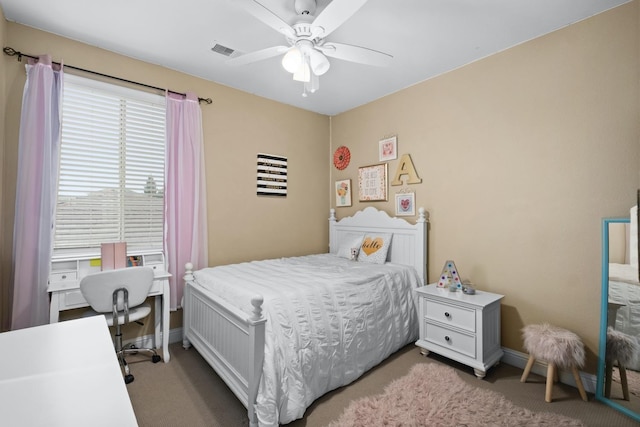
(12, 52)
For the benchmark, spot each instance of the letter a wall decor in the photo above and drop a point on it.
(405, 167)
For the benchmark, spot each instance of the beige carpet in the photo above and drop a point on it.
(434, 395)
(186, 392)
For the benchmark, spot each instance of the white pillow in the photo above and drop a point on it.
(348, 242)
(375, 247)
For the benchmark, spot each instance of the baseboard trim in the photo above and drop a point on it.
(519, 360)
(175, 335)
(146, 341)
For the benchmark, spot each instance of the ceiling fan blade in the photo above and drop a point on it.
(358, 54)
(265, 15)
(335, 14)
(258, 55)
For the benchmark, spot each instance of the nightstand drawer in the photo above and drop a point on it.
(456, 341)
(459, 317)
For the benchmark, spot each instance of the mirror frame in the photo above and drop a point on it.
(603, 320)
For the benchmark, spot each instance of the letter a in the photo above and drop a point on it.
(406, 168)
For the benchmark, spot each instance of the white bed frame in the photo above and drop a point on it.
(232, 342)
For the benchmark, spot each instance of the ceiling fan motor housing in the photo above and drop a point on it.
(303, 29)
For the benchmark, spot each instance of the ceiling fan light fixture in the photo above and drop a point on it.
(319, 63)
(292, 60)
(303, 73)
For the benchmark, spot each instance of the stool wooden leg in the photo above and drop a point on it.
(551, 368)
(576, 376)
(527, 369)
(623, 381)
(608, 376)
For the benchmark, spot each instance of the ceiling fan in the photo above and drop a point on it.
(307, 51)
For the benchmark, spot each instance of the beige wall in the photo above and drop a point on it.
(237, 126)
(521, 154)
(4, 257)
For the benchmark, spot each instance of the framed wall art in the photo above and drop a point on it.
(343, 193)
(272, 175)
(405, 204)
(388, 149)
(372, 183)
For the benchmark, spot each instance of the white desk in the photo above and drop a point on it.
(66, 295)
(64, 374)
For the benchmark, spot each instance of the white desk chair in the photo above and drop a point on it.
(119, 295)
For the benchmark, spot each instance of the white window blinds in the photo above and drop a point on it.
(111, 180)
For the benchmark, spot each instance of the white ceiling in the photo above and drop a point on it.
(425, 37)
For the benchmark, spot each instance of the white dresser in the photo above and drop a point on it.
(464, 328)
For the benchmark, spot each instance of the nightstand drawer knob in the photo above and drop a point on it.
(446, 338)
(446, 314)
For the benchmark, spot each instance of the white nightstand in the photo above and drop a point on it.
(464, 328)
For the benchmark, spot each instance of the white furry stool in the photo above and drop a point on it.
(558, 347)
(623, 349)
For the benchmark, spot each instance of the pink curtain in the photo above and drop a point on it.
(39, 145)
(185, 193)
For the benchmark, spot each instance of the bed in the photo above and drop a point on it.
(283, 332)
(624, 287)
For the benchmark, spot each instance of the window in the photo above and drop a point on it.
(111, 178)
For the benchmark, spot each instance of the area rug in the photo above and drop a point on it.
(434, 395)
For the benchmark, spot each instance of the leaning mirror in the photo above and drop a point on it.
(619, 359)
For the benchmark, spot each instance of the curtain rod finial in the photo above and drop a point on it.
(12, 52)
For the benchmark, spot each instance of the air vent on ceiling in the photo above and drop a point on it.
(222, 50)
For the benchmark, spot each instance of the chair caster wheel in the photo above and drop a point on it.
(128, 379)
(155, 358)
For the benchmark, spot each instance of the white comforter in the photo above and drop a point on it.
(328, 321)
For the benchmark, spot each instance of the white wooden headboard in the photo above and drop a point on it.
(409, 243)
